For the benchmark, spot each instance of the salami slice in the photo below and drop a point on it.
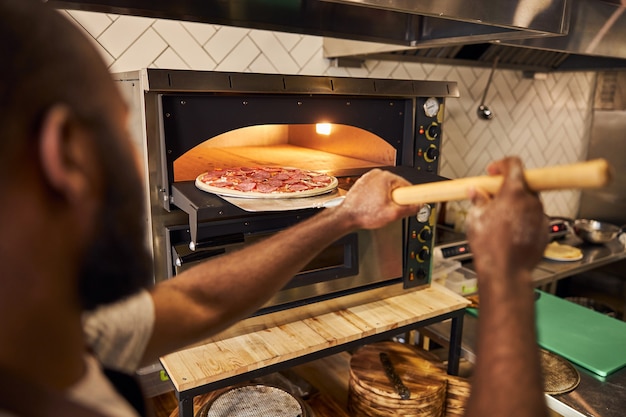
(266, 182)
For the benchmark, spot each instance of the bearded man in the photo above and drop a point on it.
(77, 307)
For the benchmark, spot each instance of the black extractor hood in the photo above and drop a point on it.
(398, 22)
(533, 35)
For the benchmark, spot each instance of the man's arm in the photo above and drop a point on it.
(508, 235)
(217, 293)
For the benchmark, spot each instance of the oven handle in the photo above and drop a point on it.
(217, 241)
(180, 260)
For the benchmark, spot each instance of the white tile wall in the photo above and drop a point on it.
(546, 122)
(182, 43)
(123, 33)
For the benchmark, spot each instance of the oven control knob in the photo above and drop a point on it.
(424, 254)
(425, 234)
(433, 131)
(431, 153)
(420, 274)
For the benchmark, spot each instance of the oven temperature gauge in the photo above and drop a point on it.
(424, 213)
(431, 107)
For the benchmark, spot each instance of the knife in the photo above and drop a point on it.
(395, 380)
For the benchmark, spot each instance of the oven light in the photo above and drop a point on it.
(323, 128)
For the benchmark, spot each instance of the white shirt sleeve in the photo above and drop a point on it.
(118, 333)
(96, 392)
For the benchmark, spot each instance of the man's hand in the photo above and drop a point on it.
(368, 203)
(511, 230)
(508, 233)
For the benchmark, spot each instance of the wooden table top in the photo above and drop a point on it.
(274, 338)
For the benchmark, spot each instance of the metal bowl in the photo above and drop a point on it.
(593, 231)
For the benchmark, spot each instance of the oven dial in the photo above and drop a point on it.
(431, 153)
(420, 274)
(423, 255)
(433, 131)
(431, 107)
(425, 234)
(424, 213)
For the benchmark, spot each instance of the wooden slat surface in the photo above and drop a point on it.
(227, 356)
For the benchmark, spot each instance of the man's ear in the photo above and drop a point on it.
(65, 158)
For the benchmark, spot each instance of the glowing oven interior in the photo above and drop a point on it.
(322, 146)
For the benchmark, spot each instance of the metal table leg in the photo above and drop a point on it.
(456, 337)
(185, 407)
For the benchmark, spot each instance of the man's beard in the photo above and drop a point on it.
(117, 263)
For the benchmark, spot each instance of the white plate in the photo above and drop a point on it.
(562, 259)
(330, 199)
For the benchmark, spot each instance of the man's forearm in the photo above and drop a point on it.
(217, 293)
(507, 378)
(247, 278)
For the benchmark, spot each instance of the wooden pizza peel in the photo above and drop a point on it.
(590, 174)
(329, 199)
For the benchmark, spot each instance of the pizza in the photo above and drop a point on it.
(559, 252)
(266, 182)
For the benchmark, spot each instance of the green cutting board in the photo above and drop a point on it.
(583, 336)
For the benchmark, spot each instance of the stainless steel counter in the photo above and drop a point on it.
(594, 256)
(595, 396)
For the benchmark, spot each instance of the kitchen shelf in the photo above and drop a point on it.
(265, 344)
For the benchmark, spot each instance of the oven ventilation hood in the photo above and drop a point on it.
(596, 41)
(396, 22)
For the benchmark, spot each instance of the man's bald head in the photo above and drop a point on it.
(46, 61)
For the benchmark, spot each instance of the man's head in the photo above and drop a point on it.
(62, 118)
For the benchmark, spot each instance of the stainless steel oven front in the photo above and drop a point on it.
(188, 122)
(364, 259)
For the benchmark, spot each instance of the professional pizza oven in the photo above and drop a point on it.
(191, 122)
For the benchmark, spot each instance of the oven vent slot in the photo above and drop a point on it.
(178, 81)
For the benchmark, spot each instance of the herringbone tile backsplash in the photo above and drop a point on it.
(545, 122)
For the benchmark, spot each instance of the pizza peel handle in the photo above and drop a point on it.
(591, 174)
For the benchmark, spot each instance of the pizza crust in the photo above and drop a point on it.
(558, 252)
(229, 192)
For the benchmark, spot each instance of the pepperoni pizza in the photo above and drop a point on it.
(266, 182)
